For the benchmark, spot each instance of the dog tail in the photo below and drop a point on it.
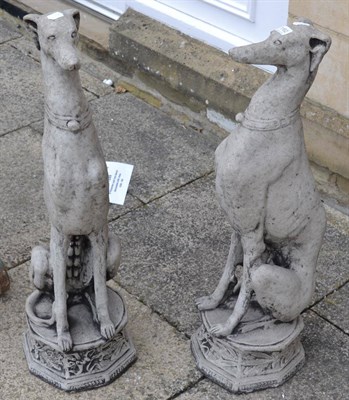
(74, 257)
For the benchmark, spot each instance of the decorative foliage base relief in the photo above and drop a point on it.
(245, 368)
(81, 369)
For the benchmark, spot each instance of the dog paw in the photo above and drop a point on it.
(65, 341)
(220, 330)
(107, 330)
(206, 303)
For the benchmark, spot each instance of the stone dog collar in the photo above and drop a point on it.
(266, 125)
(68, 123)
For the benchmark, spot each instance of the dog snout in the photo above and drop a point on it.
(67, 57)
(243, 54)
(74, 65)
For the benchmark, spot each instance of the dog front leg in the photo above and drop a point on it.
(240, 308)
(234, 257)
(58, 249)
(99, 242)
(253, 248)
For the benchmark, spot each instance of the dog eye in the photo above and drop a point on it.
(51, 37)
(74, 34)
(278, 42)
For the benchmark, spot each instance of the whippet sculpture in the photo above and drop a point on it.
(265, 187)
(82, 254)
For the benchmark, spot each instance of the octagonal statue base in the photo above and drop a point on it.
(262, 352)
(93, 360)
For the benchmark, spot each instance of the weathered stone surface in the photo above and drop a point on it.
(21, 100)
(182, 62)
(335, 308)
(7, 32)
(165, 155)
(164, 365)
(176, 247)
(324, 376)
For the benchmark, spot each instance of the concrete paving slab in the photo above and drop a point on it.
(164, 366)
(26, 45)
(335, 308)
(332, 267)
(97, 69)
(94, 86)
(324, 376)
(175, 250)
(165, 155)
(21, 101)
(23, 219)
(7, 31)
(338, 220)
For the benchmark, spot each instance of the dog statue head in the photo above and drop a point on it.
(56, 35)
(301, 44)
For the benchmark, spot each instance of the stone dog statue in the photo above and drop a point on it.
(82, 254)
(265, 186)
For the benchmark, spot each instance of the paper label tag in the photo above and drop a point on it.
(284, 30)
(119, 179)
(55, 15)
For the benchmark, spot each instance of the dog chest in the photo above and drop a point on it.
(76, 178)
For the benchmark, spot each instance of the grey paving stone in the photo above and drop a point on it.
(23, 216)
(332, 267)
(174, 250)
(38, 127)
(324, 376)
(21, 100)
(176, 247)
(23, 220)
(165, 154)
(93, 85)
(335, 308)
(164, 366)
(7, 31)
(26, 45)
(98, 69)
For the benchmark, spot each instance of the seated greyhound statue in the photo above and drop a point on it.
(82, 254)
(265, 186)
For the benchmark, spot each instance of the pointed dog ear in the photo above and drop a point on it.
(75, 14)
(319, 45)
(31, 21)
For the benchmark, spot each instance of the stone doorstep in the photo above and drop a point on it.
(187, 72)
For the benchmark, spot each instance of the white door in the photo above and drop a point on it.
(219, 23)
(110, 8)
